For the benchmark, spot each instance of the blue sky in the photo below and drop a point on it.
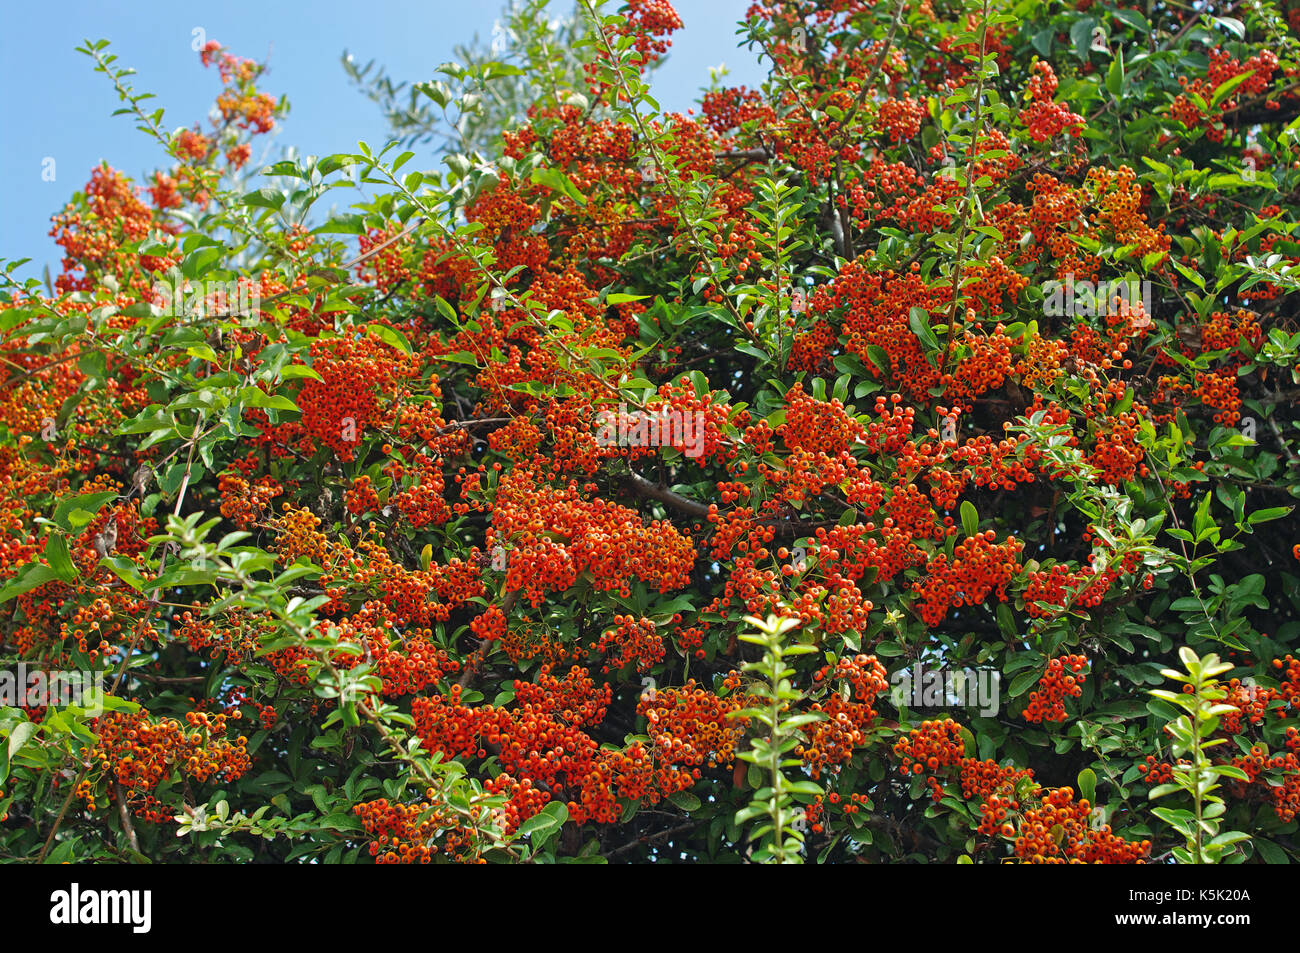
(57, 107)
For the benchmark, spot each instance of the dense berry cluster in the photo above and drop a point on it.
(1061, 680)
(947, 364)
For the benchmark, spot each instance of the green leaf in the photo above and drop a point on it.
(36, 575)
(19, 735)
(85, 503)
(256, 397)
(1088, 785)
(1134, 19)
(1115, 75)
(390, 336)
(1081, 36)
(1020, 684)
(919, 321)
(545, 824)
(343, 225)
(125, 570)
(1271, 513)
(879, 357)
(1270, 852)
(685, 800)
(56, 551)
(294, 371)
(1224, 89)
(199, 262)
(557, 181)
(1006, 620)
(265, 198)
(970, 518)
(94, 364)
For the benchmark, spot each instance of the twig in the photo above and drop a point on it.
(970, 196)
(125, 814)
(474, 662)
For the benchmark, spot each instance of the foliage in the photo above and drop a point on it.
(437, 529)
(782, 835)
(1193, 733)
(485, 90)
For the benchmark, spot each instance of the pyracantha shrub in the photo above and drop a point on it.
(959, 357)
